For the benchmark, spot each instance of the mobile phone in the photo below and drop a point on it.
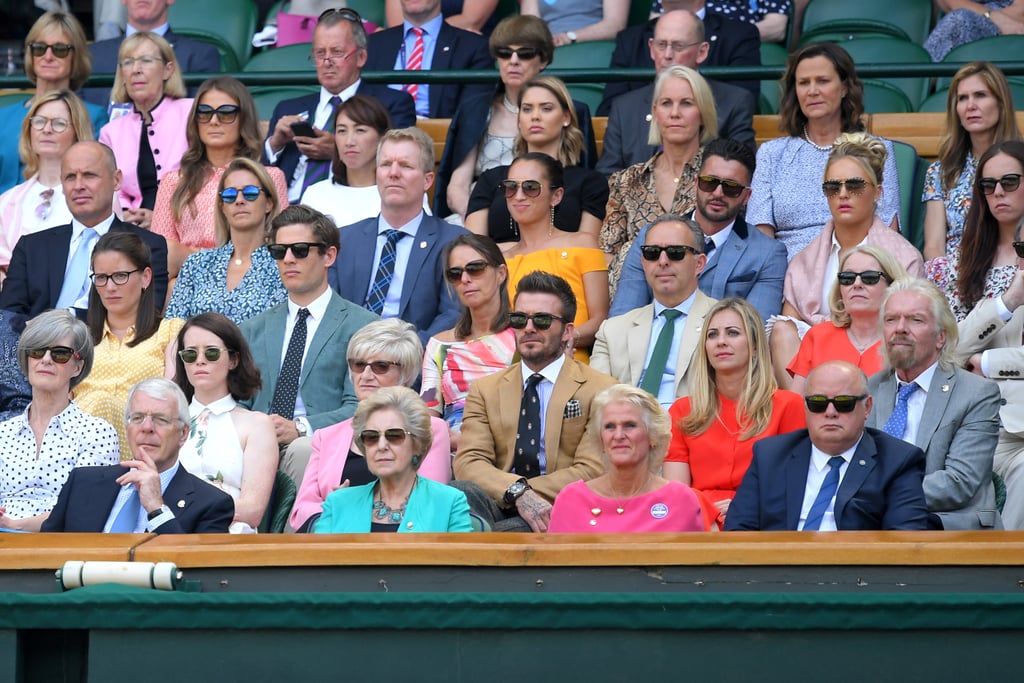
(303, 129)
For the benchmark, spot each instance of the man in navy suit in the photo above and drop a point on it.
(42, 261)
(741, 261)
(444, 48)
(339, 52)
(836, 474)
(152, 491)
(391, 264)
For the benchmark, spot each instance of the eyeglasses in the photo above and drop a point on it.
(394, 436)
(523, 53)
(867, 277)
(541, 321)
(1019, 248)
(60, 50)
(119, 278)
(473, 268)
(226, 113)
(379, 367)
(1010, 182)
(299, 249)
(229, 195)
(853, 186)
(674, 45)
(818, 403)
(145, 62)
(58, 354)
(159, 420)
(331, 57)
(57, 125)
(210, 353)
(531, 188)
(675, 252)
(730, 188)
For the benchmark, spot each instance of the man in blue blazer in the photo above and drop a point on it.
(445, 48)
(152, 491)
(741, 261)
(836, 474)
(414, 288)
(339, 52)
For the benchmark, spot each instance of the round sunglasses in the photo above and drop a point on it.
(229, 195)
(211, 353)
(531, 188)
(818, 403)
(57, 125)
(58, 354)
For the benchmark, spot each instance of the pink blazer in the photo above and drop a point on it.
(330, 451)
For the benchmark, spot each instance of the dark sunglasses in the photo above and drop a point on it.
(676, 252)
(229, 195)
(226, 113)
(1019, 248)
(868, 277)
(844, 404)
(379, 367)
(524, 53)
(299, 249)
(60, 50)
(853, 186)
(395, 436)
(210, 353)
(531, 188)
(119, 278)
(730, 188)
(58, 354)
(1010, 182)
(473, 268)
(541, 321)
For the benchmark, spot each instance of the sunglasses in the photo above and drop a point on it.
(394, 436)
(229, 195)
(119, 278)
(531, 188)
(524, 53)
(541, 321)
(853, 186)
(379, 367)
(867, 277)
(844, 404)
(60, 50)
(226, 113)
(210, 353)
(730, 188)
(299, 249)
(57, 125)
(58, 354)
(473, 268)
(1019, 248)
(676, 252)
(1010, 182)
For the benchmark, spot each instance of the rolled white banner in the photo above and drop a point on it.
(159, 575)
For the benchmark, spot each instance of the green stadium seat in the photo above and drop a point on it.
(280, 506)
(910, 191)
(907, 19)
(995, 50)
(884, 98)
(936, 102)
(227, 24)
(267, 96)
(369, 10)
(589, 55)
(288, 58)
(891, 50)
(772, 54)
(590, 94)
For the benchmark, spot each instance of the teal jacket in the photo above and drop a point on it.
(432, 508)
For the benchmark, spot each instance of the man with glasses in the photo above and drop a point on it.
(524, 432)
(741, 261)
(151, 492)
(50, 268)
(300, 345)
(835, 475)
(652, 346)
(339, 54)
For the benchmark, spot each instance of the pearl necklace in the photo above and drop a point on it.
(508, 105)
(815, 145)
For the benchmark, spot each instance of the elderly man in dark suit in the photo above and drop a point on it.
(50, 269)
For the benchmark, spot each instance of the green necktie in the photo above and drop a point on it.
(651, 381)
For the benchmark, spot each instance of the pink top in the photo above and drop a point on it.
(671, 508)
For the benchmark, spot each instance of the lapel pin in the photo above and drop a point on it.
(445, 49)
(945, 388)
(423, 244)
(181, 503)
(861, 463)
(648, 118)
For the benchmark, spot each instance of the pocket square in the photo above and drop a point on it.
(572, 409)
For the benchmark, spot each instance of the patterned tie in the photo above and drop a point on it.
(128, 516)
(76, 277)
(526, 459)
(825, 495)
(651, 381)
(415, 62)
(318, 170)
(897, 422)
(288, 381)
(385, 272)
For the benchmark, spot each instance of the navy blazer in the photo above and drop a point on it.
(88, 496)
(455, 48)
(881, 490)
(398, 103)
(36, 273)
(427, 302)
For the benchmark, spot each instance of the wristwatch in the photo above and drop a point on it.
(300, 428)
(571, 35)
(515, 491)
(156, 513)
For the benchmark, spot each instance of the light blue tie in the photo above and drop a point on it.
(825, 495)
(76, 277)
(897, 422)
(128, 516)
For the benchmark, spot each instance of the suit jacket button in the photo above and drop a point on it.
(1002, 401)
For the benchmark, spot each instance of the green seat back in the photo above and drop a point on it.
(907, 19)
(883, 98)
(282, 498)
(293, 57)
(267, 96)
(995, 49)
(231, 22)
(910, 191)
(891, 50)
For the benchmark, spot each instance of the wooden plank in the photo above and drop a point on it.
(51, 551)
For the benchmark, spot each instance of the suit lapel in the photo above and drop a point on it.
(638, 338)
(441, 61)
(60, 248)
(179, 492)
(939, 392)
(333, 320)
(510, 399)
(796, 482)
(569, 382)
(863, 461)
(423, 246)
(272, 340)
(884, 401)
(364, 248)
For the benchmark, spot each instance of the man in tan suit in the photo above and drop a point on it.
(523, 431)
(653, 346)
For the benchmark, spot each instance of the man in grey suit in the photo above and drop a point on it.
(300, 345)
(681, 34)
(923, 398)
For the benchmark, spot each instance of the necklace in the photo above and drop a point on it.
(382, 511)
(237, 260)
(508, 104)
(815, 145)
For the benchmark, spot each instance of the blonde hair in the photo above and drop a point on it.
(887, 263)
(657, 421)
(81, 59)
(79, 120)
(867, 150)
(221, 229)
(174, 86)
(945, 321)
(701, 95)
(570, 146)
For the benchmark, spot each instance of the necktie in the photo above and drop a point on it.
(526, 459)
(709, 246)
(288, 381)
(76, 277)
(651, 381)
(128, 516)
(318, 170)
(385, 272)
(897, 422)
(415, 62)
(825, 495)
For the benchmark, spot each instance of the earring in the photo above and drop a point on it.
(552, 215)
(513, 228)
(415, 461)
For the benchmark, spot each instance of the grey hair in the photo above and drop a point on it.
(392, 338)
(406, 403)
(697, 233)
(657, 421)
(161, 389)
(945, 321)
(48, 328)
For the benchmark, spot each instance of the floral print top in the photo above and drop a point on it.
(956, 200)
(943, 272)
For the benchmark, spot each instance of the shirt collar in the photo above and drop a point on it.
(924, 380)
(410, 228)
(683, 307)
(101, 228)
(326, 95)
(222, 405)
(160, 30)
(549, 372)
(317, 308)
(819, 459)
(431, 28)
